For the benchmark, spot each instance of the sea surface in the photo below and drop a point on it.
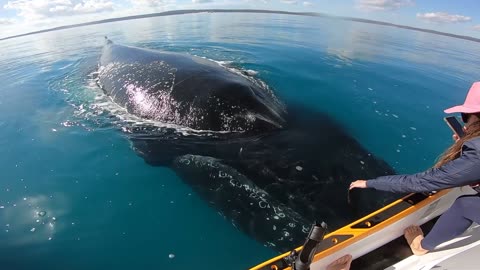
(74, 195)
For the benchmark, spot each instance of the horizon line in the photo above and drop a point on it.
(194, 11)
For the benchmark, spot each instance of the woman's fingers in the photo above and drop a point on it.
(358, 184)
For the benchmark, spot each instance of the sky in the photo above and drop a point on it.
(460, 17)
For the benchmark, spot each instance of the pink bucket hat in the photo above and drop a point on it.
(472, 102)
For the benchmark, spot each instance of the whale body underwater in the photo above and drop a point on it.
(270, 168)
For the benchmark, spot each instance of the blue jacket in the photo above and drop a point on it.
(464, 170)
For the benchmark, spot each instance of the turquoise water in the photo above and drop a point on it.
(73, 194)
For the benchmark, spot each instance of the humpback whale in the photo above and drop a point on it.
(271, 168)
(184, 90)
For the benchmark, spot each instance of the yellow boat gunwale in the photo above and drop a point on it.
(360, 228)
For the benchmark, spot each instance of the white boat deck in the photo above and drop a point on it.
(457, 254)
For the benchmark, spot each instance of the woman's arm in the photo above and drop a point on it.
(462, 171)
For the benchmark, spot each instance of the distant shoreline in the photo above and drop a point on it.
(193, 11)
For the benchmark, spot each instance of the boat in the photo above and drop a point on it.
(371, 237)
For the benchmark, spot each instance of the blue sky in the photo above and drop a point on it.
(453, 16)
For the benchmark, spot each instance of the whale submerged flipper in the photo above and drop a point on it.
(236, 197)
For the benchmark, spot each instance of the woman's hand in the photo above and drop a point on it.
(358, 184)
(455, 136)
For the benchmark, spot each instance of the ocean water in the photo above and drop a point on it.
(74, 195)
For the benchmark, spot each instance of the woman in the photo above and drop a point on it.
(459, 166)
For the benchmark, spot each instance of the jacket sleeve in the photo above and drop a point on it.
(462, 171)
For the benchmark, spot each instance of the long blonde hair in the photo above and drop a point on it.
(455, 150)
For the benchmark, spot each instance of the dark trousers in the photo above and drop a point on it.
(456, 220)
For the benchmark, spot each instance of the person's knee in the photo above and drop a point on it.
(462, 202)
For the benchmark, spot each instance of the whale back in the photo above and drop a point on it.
(186, 90)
